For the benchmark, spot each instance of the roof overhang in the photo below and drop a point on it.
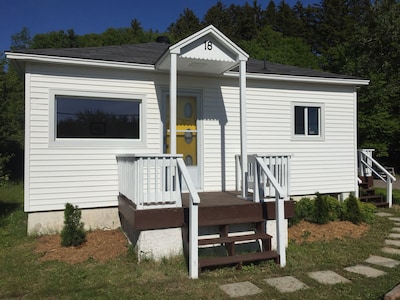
(208, 51)
(303, 79)
(20, 59)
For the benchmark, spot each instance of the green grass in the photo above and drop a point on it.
(395, 193)
(24, 276)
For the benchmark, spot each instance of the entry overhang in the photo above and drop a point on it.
(207, 52)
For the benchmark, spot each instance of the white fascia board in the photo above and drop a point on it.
(77, 61)
(305, 79)
(242, 55)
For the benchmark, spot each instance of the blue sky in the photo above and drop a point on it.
(90, 16)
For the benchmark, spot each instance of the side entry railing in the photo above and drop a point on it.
(368, 166)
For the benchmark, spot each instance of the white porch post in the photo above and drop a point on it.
(243, 125)
(172, 103)
(281, 230)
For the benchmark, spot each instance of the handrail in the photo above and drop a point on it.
(189, 183)
(280, 196)
(194, 201)
(369, 162)
(380, 167)
(271, 177)
(279, 167)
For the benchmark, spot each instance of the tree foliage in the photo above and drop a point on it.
(11, 122)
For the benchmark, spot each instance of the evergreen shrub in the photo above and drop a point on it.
(321, 210)
(303, 210)
(352, 210)
(72, 233)
(325, 209)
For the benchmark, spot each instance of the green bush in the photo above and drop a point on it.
(335, 208)
(321, 210)
(73, 233)
(352, 210)
(303, 210)
(367, 212)
(326, 208)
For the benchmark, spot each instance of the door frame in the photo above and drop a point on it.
(199, 124)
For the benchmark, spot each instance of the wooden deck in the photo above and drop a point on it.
(212, 199)
(214, 208)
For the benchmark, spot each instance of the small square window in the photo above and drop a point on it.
(307, 120)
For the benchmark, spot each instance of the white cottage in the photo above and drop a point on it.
(132, 120)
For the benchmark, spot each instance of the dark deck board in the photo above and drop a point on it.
(211, 199)
(215, 208)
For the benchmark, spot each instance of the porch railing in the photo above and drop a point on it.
(150, 180)
(268, 177)
(155, 181)
(259, 184)
(368, 166)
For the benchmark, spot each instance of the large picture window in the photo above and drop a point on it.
(96, 118)
(307, 120)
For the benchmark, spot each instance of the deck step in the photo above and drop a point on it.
(367, 194)
(232, 239)
(376, 200)
(205, 262)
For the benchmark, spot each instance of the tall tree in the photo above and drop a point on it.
(275, 47)
(376, 55)
(219, 16)
(286, 20)
(11, 122)
(21, 40)
(55, 39)
(270, 15)
(186, 24)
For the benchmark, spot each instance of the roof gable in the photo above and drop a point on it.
(206, 51)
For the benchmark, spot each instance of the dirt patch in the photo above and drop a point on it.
(305, 231)
(106, 245)
(100, 245)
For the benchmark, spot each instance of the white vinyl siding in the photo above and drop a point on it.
(82, 174)
(325, 166)
(86, 175)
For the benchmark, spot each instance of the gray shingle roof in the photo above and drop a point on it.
(149, 53)
(261, 67)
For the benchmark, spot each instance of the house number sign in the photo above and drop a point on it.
(208, 45)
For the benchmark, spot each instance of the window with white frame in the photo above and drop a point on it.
(95, 118)
(307, 120)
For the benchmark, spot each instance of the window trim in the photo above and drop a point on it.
(95, 142)
(321, 123)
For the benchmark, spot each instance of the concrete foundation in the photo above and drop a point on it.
(159, 243)
(271, 230)
(51, 222)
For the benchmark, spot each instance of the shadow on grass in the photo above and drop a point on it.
(7, 208)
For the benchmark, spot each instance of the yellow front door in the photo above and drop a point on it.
(186, 129)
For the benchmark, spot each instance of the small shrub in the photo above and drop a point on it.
(335, 208)
(73, 233)
(303, 210)
(367, 212)
(352, 210)
(321, 210)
